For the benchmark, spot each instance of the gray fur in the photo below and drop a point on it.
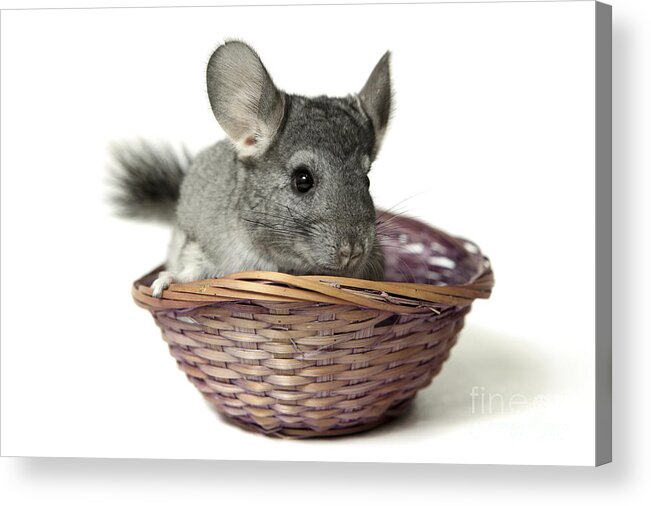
(238, 209)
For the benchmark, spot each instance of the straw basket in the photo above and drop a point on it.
(304, 356)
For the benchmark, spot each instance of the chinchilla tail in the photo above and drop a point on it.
(146, 181)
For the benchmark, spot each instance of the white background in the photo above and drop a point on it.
(296, 482)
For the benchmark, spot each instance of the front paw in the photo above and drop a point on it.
(163, 282)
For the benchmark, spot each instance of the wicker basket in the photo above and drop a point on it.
(304, 356)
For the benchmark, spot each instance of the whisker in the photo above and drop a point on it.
(391, 209)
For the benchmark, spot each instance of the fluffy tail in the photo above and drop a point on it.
(147, 180)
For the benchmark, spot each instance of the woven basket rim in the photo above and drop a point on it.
(390, 296)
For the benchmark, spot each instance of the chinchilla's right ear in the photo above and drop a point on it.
(244, 99)
(375, 98)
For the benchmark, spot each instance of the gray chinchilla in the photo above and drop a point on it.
(288, 190)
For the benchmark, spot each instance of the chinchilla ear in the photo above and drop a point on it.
(375, 98)
(244, 99)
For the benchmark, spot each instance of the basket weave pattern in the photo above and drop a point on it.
(304, 356)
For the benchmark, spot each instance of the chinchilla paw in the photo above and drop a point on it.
(164, 280)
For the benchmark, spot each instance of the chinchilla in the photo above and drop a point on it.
(287, 191)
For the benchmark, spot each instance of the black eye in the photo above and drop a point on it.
(302, 179)
(368, 182)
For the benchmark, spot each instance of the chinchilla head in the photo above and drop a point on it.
(303, 162)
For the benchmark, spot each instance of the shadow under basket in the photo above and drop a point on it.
(308, 356)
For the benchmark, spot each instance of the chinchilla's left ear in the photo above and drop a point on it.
(244, 99)
(376, 98)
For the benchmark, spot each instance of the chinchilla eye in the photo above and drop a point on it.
(302, 179)
(368, 182)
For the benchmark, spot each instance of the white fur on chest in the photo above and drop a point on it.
(186, 260)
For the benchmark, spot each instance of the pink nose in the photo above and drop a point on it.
(348, 254)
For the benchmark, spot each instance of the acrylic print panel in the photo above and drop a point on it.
(492, 138)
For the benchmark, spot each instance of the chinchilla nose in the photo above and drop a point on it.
(349, 252)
